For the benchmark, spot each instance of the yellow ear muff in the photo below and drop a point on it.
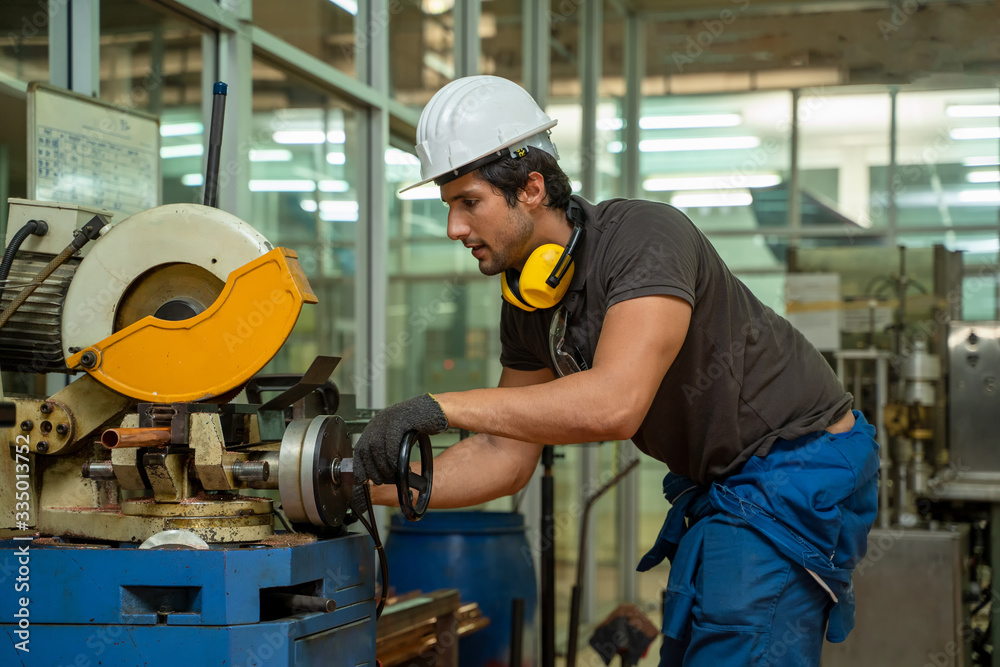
(532, 288)
(548, 271)
(509, 289)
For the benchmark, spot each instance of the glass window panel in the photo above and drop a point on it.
(303, 156)
(843, 141)
(723, 160)
(443, 315)
(24, 49)
(151, 60)
(321, 28)
(421, 57)
(948, 167)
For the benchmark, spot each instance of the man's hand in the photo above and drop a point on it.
(377, 452)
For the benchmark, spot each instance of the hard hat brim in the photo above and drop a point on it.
(547, 126)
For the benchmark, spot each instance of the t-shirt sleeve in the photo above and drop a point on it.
(513, 352)
(652, 249)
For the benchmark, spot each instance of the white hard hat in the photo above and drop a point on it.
(475, 120)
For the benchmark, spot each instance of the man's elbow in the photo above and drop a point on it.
(620, 423)
(519, 481)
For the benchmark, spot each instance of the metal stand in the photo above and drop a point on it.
(995, 583)
(548, 560)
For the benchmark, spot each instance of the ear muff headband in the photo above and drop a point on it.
(547, 272)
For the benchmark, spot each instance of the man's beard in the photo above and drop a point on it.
(511, 246)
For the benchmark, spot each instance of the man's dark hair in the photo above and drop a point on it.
(508, 176)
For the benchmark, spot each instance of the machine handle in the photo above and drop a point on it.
(407, 478)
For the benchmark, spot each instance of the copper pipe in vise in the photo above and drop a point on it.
(120, 438)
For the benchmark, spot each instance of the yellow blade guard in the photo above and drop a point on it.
(197, 359)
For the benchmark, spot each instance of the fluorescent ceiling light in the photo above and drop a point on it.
(335, 157)
(675, 122)
(429, 191)
(979, 196)
(396, 157)
(697, 144)
(334, 186)
(981, 161)
(338, 211)
(344, 211)
(976, 133)
(349, 6)
(684, 122)
(576, 186)
(984, 176)
(714, 199)
(271, 155)
(973, 110)
(975, 245)
(181, 129)
(719, 182)
(615, 147)
(308, 137)
(183, 150)
(192, 180)
(286, 185)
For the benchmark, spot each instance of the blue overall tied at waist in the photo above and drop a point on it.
(814, 499)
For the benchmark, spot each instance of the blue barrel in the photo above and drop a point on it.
(482, 554)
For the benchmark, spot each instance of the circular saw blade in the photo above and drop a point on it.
(174, 291)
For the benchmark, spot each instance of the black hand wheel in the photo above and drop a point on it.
(409, 479)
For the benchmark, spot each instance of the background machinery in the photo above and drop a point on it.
(926, 590)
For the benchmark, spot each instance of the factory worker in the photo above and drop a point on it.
(619, 320)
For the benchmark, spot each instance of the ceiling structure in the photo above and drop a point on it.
(694, 46)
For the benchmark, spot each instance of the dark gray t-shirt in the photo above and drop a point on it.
(744, 376)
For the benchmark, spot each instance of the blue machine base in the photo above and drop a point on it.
(88, 606)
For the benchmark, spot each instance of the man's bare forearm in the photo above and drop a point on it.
(473, 471)
(574, 409)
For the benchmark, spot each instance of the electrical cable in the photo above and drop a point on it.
(372, 529)
(81, 237)
(36, 227)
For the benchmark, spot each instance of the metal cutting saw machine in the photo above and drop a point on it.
(139, 505)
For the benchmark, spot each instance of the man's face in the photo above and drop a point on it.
(498, 235)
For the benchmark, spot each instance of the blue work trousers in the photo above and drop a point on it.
(753, 607)
(740, 591)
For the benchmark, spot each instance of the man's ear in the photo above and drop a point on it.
(534, 194)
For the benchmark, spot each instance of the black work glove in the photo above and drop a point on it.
(377, 453)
